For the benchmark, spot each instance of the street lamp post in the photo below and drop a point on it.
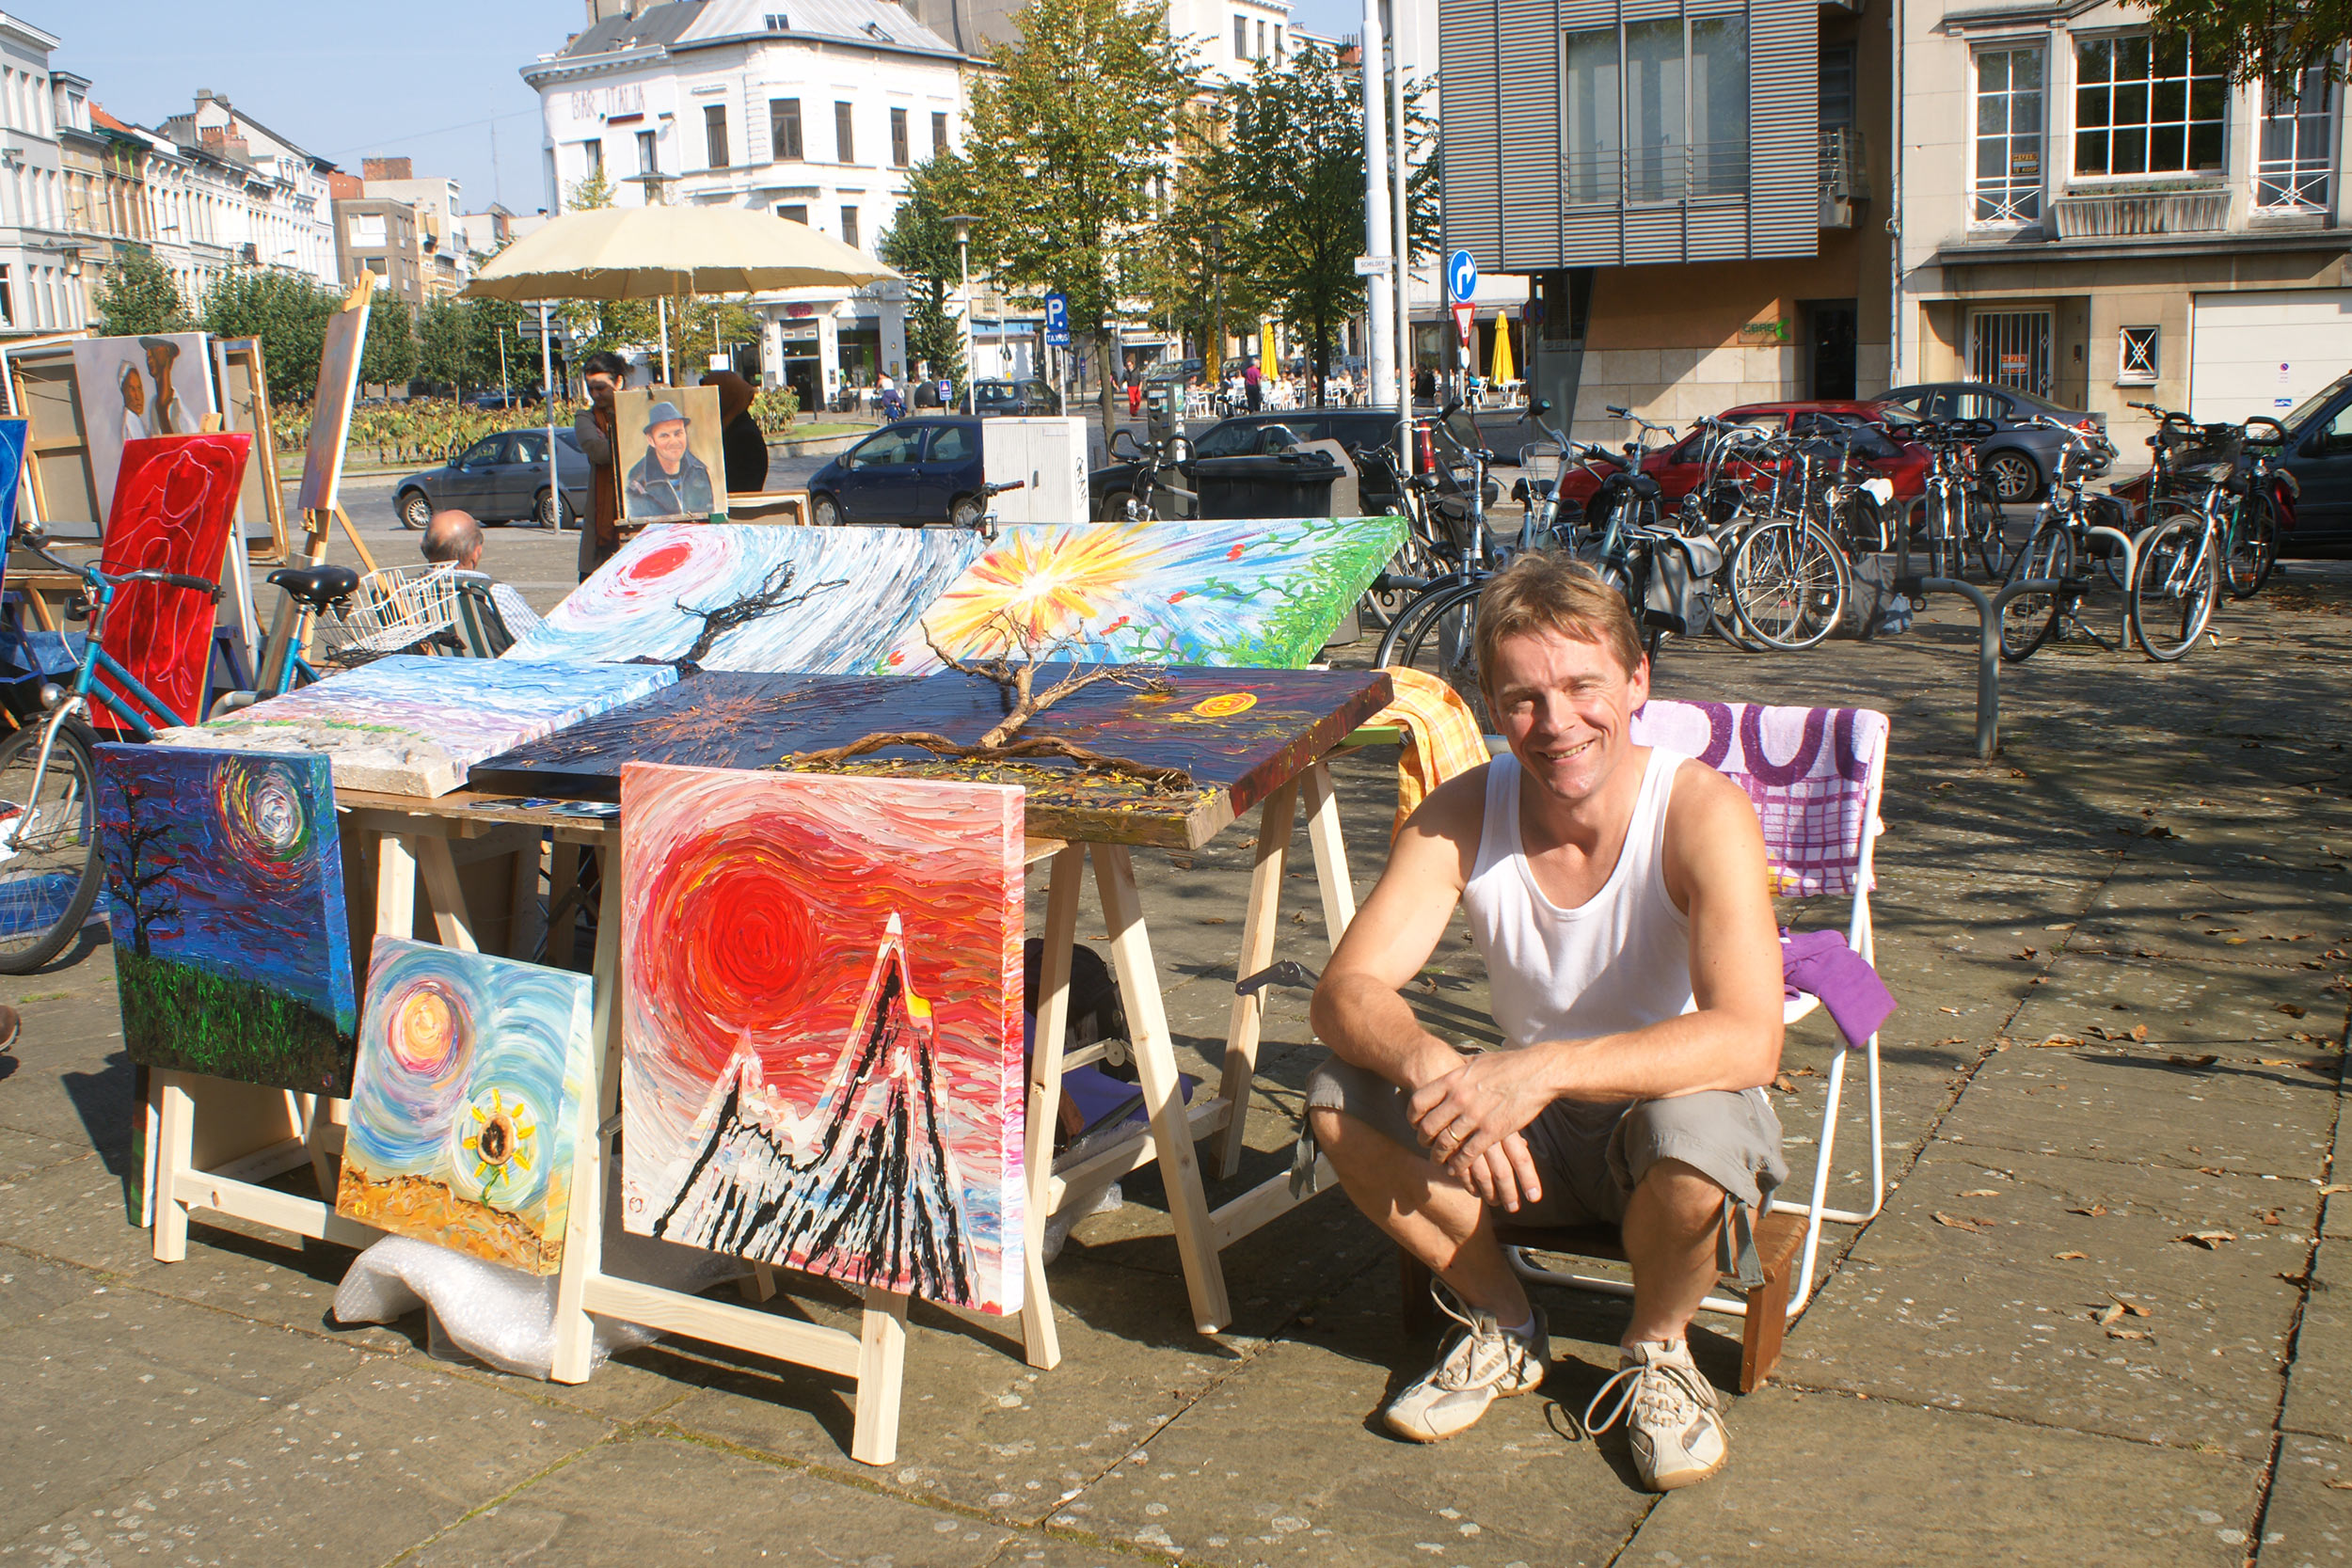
(963, 222)
(1216, 291)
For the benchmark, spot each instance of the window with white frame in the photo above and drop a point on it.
(2298, 132)
(2136, 363)
(2007, 182)
(2143, 106)
(1656, 111)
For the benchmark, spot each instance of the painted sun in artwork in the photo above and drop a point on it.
(1049, 586)
(502, 1138)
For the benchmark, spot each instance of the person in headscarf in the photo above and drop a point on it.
(669, 481)
(741, 442)
(133, 386)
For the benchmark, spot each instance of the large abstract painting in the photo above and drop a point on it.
(465, 1103)
(224, 891)
(172, 511)
(135, 388)
(860, 601)
(1234, 734)
(12, 436)
(821, 1036)
(412, 725)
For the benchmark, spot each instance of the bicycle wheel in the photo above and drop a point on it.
(1984, 534)
(50, 879)
(1407, 619)
(2253, 547)
(2173, 593)
(1789, 583)
(1443, 643)
(2030, 619)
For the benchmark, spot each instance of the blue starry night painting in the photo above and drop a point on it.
(466, 1101)
(224, 893)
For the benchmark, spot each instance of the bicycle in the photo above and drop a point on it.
(1962, 517)
(2195, 465)
(2058, 549)
(48, 870)
(1140, 502)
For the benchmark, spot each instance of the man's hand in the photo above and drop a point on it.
(1471, 1119)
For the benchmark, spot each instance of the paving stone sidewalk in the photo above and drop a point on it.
(2120, 950)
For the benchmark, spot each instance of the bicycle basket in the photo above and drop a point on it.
(395, 608)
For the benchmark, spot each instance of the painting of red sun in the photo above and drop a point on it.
(821, 1041)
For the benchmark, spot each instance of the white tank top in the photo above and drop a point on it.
(1619, 962)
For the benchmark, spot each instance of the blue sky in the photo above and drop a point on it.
(423, 79)
(426, 78)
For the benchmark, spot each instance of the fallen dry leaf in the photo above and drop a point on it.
(2300, 1281)
(1963, 1222)
(2290, 1009)
(2110, 1315)
(1784, 1084)
(2135, 1309)
(2129, 1334)
(2094, 1211)
(2139, 1032)
(2270, 1216)
(2025, 953)
(2334, 1187)
(2211, 1170)
(2207, 1060)
(2209, 1240)
(2274, 1061)
(1954, 1039)
(1212, 920)
(2340, 1486)
(1981, 1191)
(2057, 1042)
(2068, 1255)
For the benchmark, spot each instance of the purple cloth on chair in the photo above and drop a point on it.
(1819, 963)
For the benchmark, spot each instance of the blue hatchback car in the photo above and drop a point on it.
(912, 472)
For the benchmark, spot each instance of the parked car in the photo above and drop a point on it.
(1260, 435)
(2316, 498)
(2022, 456)
(516, 399)
(501, 479)
(998, 396)
(918, 470)
(1176, 369)
(1678, 468)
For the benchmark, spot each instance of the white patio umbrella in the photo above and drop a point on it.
(660, 252)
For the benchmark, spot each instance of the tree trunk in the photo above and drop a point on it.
(1323, 356)
(1108, 395)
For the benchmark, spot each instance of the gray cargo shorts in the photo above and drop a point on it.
(1591, 1157)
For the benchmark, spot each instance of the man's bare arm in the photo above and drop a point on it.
(1359, 1011)
(1715, 867)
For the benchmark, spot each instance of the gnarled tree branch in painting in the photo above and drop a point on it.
(771, 595)
(141, 867)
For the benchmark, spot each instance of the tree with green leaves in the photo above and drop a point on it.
(1067, 141)
(2259, 40)
(1197, 282)
(921, 245)
(287, 312)
(445, 344)
(389, 358)
(1296, 166)
(139, 295)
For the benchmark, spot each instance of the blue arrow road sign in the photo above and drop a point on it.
(1057, 321)
(1461, 275)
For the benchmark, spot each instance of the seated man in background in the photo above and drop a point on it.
(1617, 894)
(455, 538)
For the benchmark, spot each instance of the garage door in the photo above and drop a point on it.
(2264, 353)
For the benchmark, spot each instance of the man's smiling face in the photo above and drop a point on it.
(1566, 705)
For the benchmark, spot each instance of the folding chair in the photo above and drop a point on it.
(1819, 812)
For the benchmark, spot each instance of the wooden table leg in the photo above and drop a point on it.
(175, 1153)
(525, 920)
(563, 862)
(882, 1360)
(1257, 951)
(395, 889)
(1155, 1065)
(448, 898)
(1322, 836)
(583, 1227)
(1038, 1334)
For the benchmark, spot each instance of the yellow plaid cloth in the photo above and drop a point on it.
(1441, 739)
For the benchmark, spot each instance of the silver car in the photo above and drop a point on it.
(499, 479)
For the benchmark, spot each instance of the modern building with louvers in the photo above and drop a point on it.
(1689, 186)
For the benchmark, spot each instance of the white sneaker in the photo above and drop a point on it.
(1677, 1438)
(1482, 1363)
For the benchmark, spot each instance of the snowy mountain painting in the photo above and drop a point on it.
(821, 1047)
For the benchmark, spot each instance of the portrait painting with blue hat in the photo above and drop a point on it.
(669, 478)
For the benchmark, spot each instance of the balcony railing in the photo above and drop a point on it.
(2286, 186)
(1843, 182)
(1648, 175)
(2125, 215)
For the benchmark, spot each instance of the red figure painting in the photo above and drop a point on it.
(174, 499)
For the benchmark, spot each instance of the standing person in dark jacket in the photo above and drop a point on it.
(592, 428)
(741, 442)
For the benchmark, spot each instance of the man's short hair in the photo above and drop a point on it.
(451, 535)
(1542, 590)
(604, 363)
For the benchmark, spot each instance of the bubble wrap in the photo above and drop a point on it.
(501, 1315)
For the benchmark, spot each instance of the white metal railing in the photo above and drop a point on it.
(2291, 185)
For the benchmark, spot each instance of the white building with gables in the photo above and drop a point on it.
(813, 110)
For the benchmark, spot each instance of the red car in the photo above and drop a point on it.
(1679, 468)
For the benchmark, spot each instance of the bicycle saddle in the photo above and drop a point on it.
(316, 586)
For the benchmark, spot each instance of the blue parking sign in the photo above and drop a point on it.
(1461, 275)
(1057, 321)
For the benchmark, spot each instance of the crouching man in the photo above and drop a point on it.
(1617, 893)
